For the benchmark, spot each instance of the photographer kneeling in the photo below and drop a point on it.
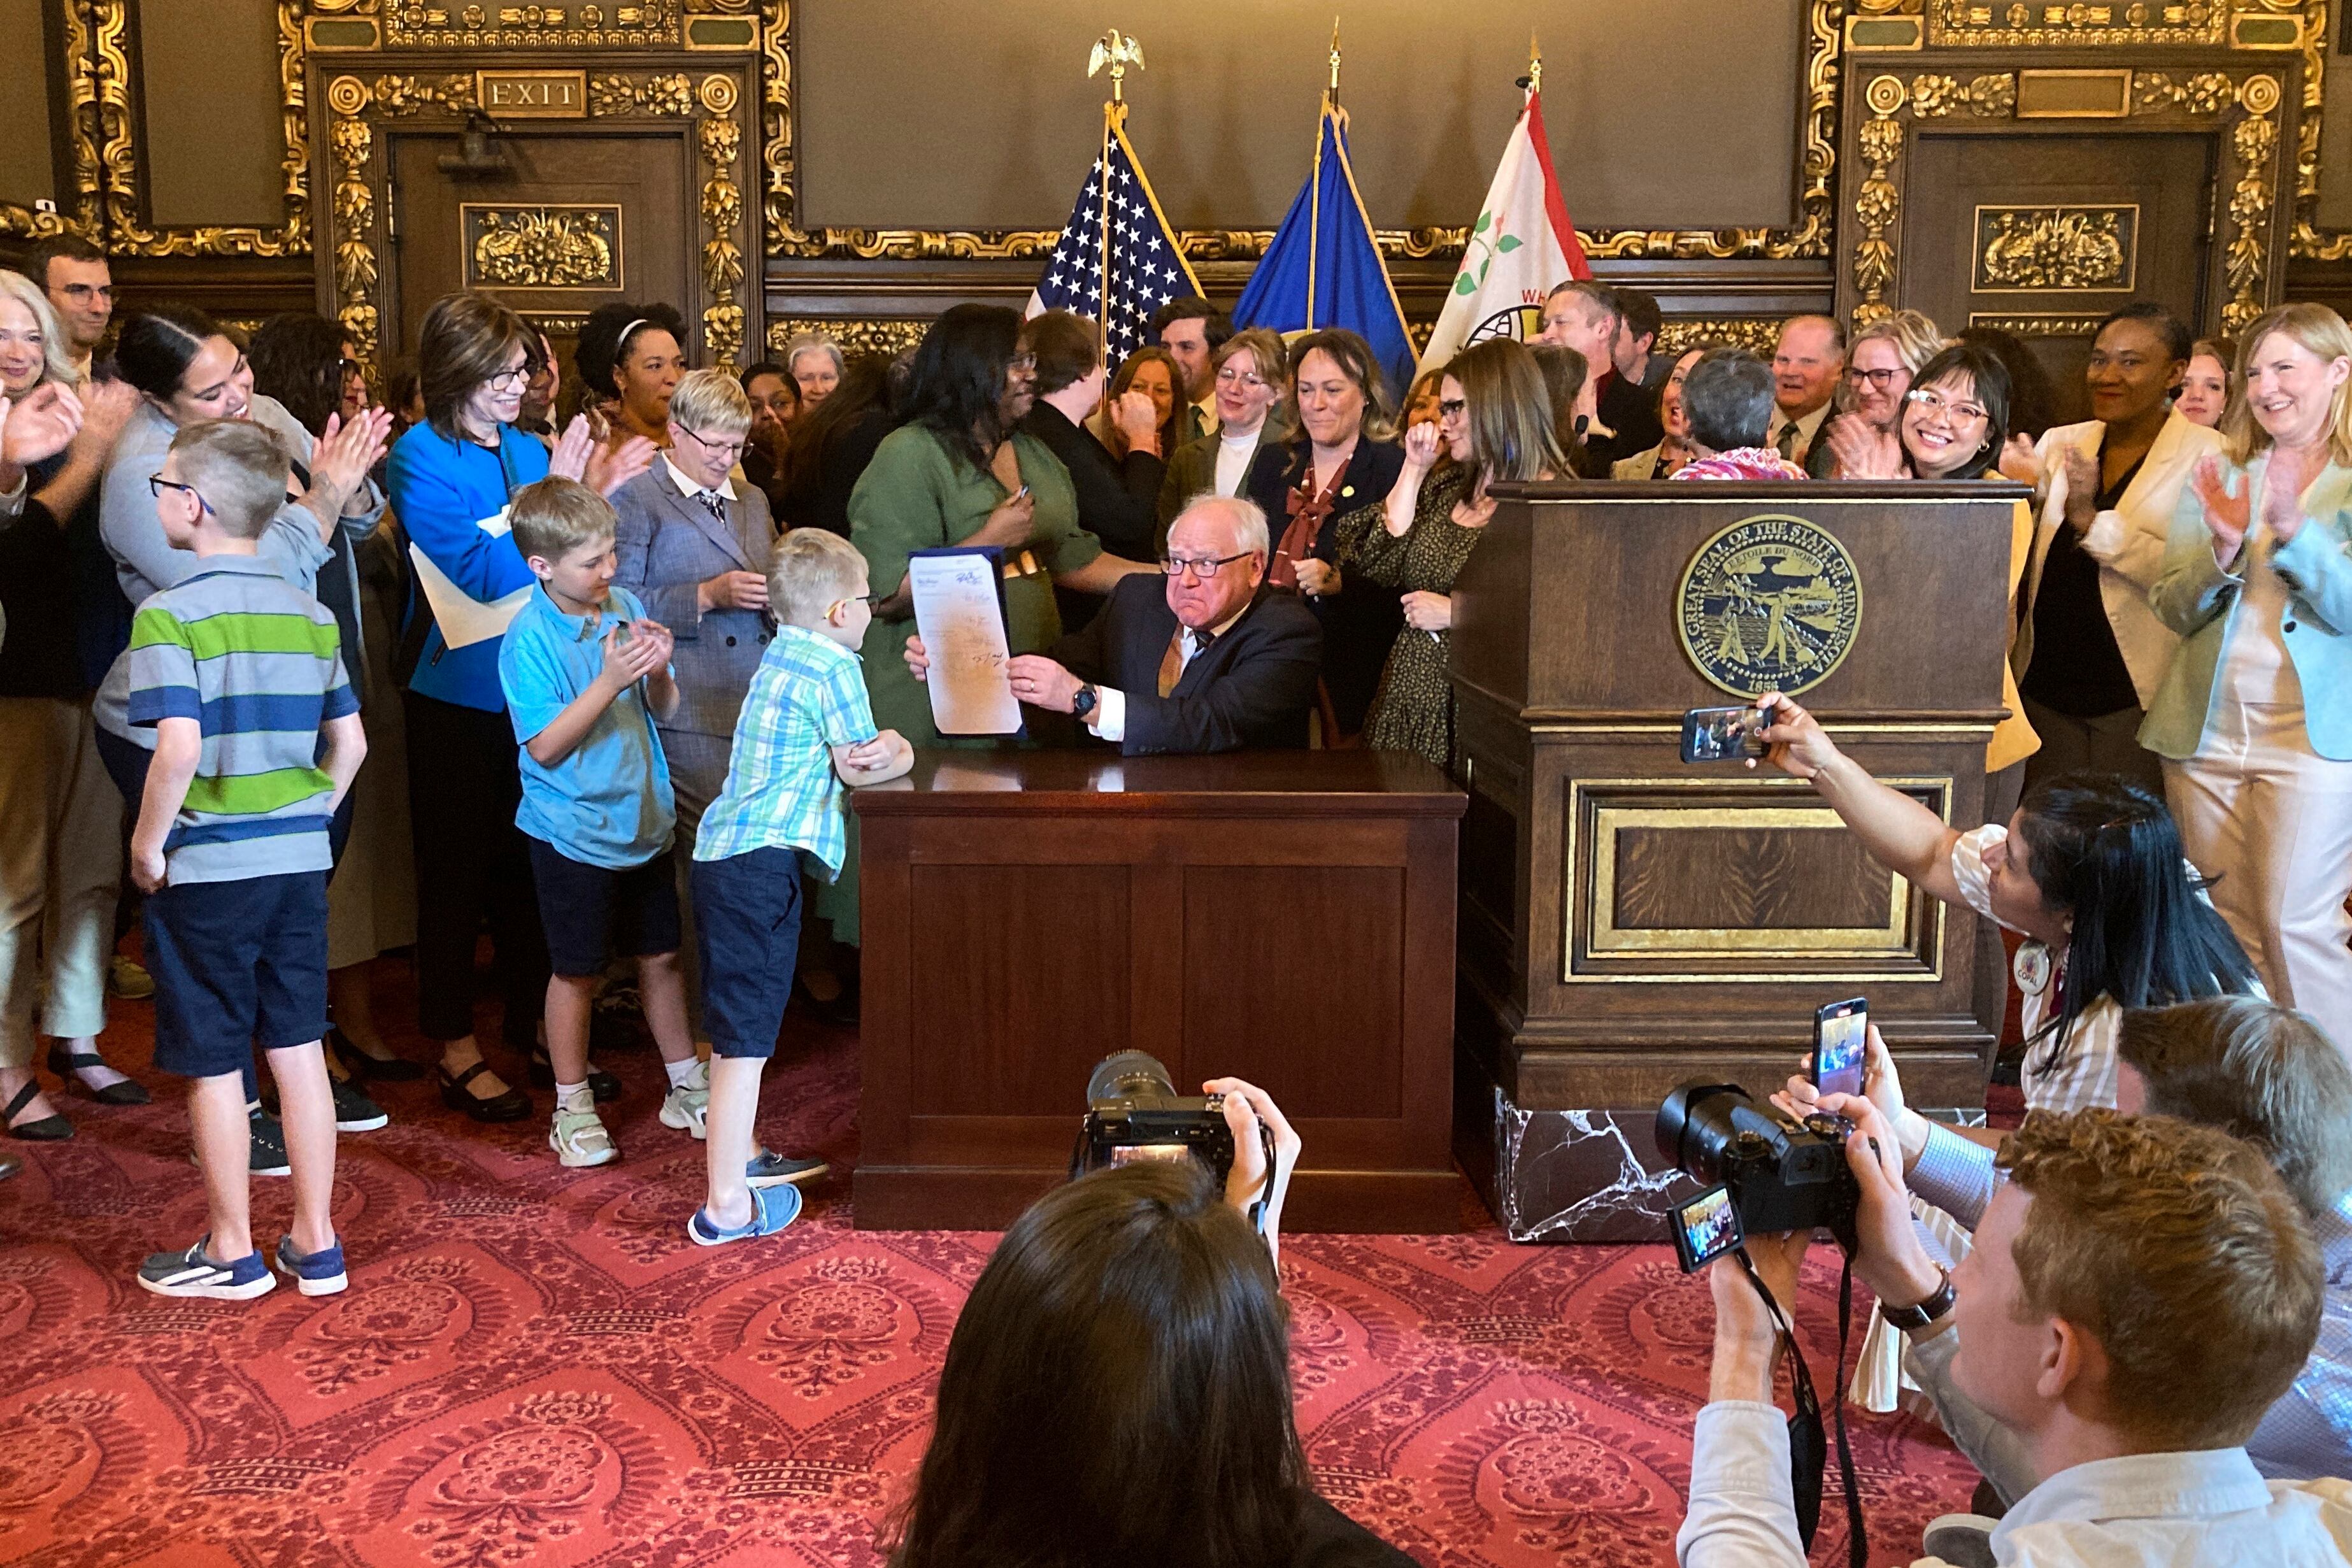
(2142, 1291)
(2237, 1064)
(1117, 1388)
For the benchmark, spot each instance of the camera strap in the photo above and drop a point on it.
(1808, 1444)
(1257, 1211)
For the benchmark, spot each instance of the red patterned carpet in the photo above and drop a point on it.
(534, 1365)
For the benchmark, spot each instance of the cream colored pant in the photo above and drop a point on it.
(60, 861)
(2272, 822)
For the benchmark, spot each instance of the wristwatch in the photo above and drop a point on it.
(1084, 702)
(1938, 1302)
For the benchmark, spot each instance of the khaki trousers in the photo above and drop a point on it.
(2271, 821)
(60, 863)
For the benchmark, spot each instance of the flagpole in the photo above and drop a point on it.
(1118, 52)
(1315, 182)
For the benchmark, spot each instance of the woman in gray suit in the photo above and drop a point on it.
(693, 544)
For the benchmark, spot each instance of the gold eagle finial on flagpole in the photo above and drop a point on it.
(1118, 52)
(1335, 60)
(1535, 64)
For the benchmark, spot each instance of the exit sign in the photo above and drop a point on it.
(526, 95)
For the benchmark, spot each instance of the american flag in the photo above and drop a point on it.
(1147, 269)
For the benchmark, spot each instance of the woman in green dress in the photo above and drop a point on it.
(960, 474)
(1494, 419)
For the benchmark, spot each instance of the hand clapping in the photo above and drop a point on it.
(2228, 515)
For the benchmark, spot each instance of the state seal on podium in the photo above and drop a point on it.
(1771, 604)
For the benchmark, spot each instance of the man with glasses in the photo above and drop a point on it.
(1208, 663)
(73, 273)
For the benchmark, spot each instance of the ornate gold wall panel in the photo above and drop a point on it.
(884, 335)
(113, 188)
(2245, 101)
(357, 104)
(2036, 249)
(1810, 237)
(542, 246)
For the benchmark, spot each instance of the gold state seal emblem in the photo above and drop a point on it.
(1771, 604)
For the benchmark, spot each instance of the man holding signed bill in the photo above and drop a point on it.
(1207, 664)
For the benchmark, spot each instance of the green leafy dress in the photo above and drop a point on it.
(1413, 710)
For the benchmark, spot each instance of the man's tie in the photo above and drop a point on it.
(716, 505)
(1171, 663)
(1787, 444)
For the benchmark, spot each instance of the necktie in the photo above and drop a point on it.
(1787, 444)
(1171, 663)
(716, 505)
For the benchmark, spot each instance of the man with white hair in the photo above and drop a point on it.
(1210, 664)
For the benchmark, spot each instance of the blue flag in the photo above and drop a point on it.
(1117, 247)
(1323, 269)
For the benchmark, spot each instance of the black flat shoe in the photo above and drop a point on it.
(374, 1070)
(47, 1130)
(512, 1106)
(603, 1087)
(65, 1063)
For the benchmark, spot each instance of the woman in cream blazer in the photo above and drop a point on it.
(2254, 717)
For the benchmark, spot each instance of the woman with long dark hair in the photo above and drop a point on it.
(1494, 420)
(828, 446)
(1118, 1389)
(962, 472)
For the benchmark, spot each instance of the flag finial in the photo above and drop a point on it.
(1118, 52)
(1535, 64)
(1335, 60)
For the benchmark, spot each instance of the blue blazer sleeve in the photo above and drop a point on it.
(443, 493)
(2191, 586)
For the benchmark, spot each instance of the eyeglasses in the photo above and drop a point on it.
(865, 599)
(1884, 380)
(1176, 565)
(1453, 407)
(351, 367)
(1936, 403)
(518, 377)
(1021, 362)
(157, 484)
(722, 449)
(1246, 380)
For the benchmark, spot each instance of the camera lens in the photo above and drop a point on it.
(1129, 1075)
(1698, 1121)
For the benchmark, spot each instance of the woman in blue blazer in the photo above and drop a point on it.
(450, 479)
(2254, 717)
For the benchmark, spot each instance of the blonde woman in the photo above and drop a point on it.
(2254, 717)
(1879, 368)
(1246, 373)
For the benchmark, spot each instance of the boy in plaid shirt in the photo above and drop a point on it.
(806, 729)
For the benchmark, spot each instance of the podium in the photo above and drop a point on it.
(1628, 922)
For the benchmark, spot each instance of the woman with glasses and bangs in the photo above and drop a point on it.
(451, 477)
(1494, 420)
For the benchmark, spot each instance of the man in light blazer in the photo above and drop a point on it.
(2086, 711)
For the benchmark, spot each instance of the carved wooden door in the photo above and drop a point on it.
(2043, 234)
(572, 220)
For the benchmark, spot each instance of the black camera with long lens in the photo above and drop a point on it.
(1133, 1113)
(1779, 1177)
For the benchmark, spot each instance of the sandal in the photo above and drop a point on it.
(603, 1087)
(67, 1064)
(513, 1106)
(47, 1130)
(377, 1069)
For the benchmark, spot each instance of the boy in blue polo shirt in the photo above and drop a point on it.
(237, 671)
(806, 729)
(584, 673)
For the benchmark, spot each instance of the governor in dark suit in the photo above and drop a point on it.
(1201, 661)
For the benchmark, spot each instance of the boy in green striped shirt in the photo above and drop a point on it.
(237, 671)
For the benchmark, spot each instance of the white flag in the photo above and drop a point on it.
(1521, 247)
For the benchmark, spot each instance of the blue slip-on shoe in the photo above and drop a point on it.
(772, 1208)
(192, 1274)
(770, 1169)
(319, 1273)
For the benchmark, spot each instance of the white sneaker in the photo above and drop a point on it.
(686, 1104)
(578, 1138)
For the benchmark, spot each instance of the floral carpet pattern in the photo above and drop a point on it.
(534, 1365)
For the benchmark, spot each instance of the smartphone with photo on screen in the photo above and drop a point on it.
(1723, 734)
(1841, 1045)
(1705, 1229)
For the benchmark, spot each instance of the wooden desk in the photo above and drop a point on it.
(1286, 917)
